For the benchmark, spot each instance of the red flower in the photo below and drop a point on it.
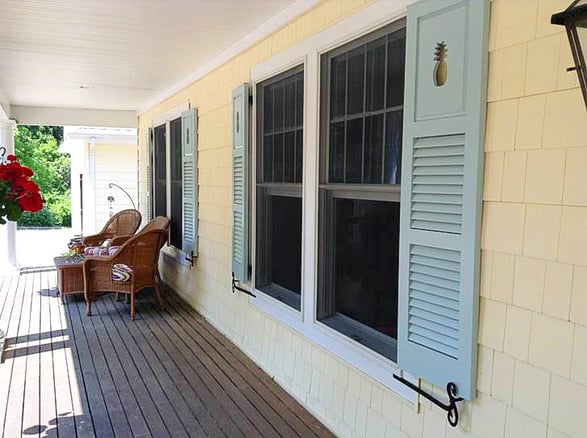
(17, 190)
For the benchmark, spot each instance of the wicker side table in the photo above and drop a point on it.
(70, 275)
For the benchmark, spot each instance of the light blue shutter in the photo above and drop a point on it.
(240, 179)
(441, 191)
(150, 198)
(189, 170)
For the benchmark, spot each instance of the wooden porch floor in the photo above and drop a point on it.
(167, 374)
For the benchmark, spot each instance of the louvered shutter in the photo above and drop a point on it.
(150, 198)
(240, 179)
(444, 121)
(189, 183)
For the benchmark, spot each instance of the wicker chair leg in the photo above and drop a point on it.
(158, 293)
(88, 307)
(132, 306)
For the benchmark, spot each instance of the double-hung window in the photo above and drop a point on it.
(392, 177)
(362, 87)
(279, 186)
(172, 171)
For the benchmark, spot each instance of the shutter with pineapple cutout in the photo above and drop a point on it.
(444, 122)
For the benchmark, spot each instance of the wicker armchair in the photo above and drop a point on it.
(125, 222)
(132, 268)
(157, 223)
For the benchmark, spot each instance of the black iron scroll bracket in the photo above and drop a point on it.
(236, 287)
(190, 258)
(451, 408)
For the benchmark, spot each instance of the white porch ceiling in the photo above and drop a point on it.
(126, 52)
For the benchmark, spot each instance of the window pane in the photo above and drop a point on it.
(279, 102)
(336, 162)
(354, 151)
(356, 78)
(267, 108)
(267, 158)
(286, 250)
(376, 74)
(300, 99)
(160, 168)
(299, 155)
(395, 70)
(338, 86)
(373, 149)
(290, 102)
(278, 158)
(366, 262)
(176, 226)
(393, 147)
(289, 150)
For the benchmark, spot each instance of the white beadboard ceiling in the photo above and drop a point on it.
(119, 54)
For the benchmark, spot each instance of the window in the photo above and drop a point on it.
(379, 302)
(173, 174)
(360, 170)
(279, 186)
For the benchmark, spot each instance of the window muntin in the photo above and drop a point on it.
(279, 186)
(360, 171)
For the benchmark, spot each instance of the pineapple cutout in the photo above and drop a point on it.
(440, 73)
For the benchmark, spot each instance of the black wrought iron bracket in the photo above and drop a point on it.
(125, 192)
(236, 287)
(451, 408)
(190, 258)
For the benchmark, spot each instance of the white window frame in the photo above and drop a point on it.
(308, 53)
(165, 119)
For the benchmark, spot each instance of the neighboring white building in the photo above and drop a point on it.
(99, 157)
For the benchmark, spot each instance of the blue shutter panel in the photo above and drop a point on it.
(189, 169)
(444, 122)
(150, 197)
(240, 179)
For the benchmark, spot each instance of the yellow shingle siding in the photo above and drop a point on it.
(532, 373)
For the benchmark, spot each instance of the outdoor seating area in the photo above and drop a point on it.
(169, 373)
(115, 260)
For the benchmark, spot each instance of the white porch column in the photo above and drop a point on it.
(8, 231)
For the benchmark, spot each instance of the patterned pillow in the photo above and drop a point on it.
(121, 272)
(113, 250)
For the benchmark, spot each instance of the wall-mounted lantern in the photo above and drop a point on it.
(574, 18)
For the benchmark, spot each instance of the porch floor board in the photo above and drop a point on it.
(167, 374)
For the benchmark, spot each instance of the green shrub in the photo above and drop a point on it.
(43, 218)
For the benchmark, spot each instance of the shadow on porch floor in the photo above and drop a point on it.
(166, 374)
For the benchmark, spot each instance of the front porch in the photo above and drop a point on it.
(166, 374)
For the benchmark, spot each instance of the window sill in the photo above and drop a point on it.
(174, 255)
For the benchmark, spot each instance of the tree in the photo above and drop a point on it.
(37, 148)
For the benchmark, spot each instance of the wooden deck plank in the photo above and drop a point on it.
(118, 385)
(47, 396)
(9, 287)
(89, 375)
(18, 337)
(205, 361)
(252, 374)
(212, 425)
(162, 388)
(31, 424)
(167, 374)
(61, 367)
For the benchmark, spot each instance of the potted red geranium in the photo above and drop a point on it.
(18, 192)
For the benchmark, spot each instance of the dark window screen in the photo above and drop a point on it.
(160, 172)
(366, 262)
(176, 229)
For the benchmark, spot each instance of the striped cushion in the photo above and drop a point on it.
(121, 272)
(96, 250)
